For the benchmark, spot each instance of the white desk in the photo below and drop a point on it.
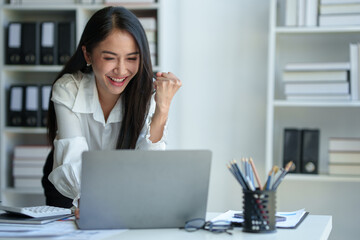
(313, 227)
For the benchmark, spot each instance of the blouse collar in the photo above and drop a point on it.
(87, 101)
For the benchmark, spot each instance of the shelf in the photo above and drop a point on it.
(321, 178)
(40, 7)
(284, 103)
(23, 190)
(144, 6)
(25, 130)
(32, 68)
(310, 30)
(67, 7)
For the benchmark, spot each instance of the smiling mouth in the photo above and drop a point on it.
(118, 80)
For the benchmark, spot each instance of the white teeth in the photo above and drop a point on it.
(117, 79)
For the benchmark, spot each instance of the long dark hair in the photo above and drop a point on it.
(137, 94)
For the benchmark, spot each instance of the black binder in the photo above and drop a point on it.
(292, 149)
(29, 42)
(66, 41)
(31, 113)
(13, 45)
(16, 105)
(310, 151)
(48, 43)
(44, 102)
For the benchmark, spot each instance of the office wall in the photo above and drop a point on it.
(219, 50)
(222, 50)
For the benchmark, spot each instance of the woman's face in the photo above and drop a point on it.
(115, 61)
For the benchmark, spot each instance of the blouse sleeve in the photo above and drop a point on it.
(69, 144)
(143, 142)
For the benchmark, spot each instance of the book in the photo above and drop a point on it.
(310, 139)
(322, 76)
(338, 1)
(301, 12)
(344, 157)
(317, 88)
(128, 1)
(340, 169)
(339, 20)
(311, 13)
(354, 70)
(291, 13)
(32, 151)
(340, 97)
(20, 219)
(27, 182)
(28, 171)
(344, 144)
(148, 23)
(340, 8)
(292, 149)
(317, 66)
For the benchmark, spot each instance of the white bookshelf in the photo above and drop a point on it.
(332, 118)
(42, 74)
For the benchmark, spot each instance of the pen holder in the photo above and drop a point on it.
(259, 211)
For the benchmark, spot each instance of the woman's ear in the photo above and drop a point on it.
(86, 55)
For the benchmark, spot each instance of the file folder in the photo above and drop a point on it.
(13, 48)
(310, 151)
(48, 43)
(292, 149)
(66, 41)
(15, 106)
(31, 105)
(45, 98)
(30, 40)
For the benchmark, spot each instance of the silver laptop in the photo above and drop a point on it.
(143, 189)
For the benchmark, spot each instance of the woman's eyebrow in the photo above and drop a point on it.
(112, 53)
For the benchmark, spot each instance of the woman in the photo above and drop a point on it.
(104, 98)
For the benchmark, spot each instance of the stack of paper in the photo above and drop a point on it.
(292, 219)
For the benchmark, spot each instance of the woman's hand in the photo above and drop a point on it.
(77, 213)
(166, 85)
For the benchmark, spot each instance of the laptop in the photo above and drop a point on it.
(138, 189)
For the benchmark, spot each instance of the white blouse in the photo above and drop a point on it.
(82, 127)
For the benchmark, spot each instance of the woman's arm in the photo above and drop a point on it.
(166, 85)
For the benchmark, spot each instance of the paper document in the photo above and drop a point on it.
(59, 229)
(292, 218)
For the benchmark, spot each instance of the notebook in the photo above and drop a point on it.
(137, 189)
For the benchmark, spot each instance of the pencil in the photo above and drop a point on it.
(268, 182)
(236, 175)
(282, 175)
(256, 174)
(251, 186)
(237, 170)
(275, 170)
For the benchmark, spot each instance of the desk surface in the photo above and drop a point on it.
(313, 227)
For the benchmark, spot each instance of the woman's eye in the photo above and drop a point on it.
(109, 58)
(132, 59)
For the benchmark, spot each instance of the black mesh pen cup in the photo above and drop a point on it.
(259, 211)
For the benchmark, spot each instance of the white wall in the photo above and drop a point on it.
(219, 50)
(222, 51)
